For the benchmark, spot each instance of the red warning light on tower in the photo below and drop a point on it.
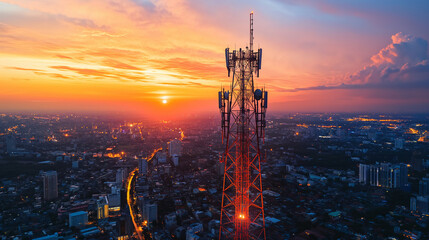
(243, 111)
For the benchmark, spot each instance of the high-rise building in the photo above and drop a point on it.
(150, 213)
(121, 175)
(396, 181)
(78, 219)
(114, 200)
(102, 208)
(403, 175)
(385, 175)
(125, 223)
(175, 147)
(374, 176)
(364, 173)
(423, 204)
(142, 166)
(424, 187)
(129, 228)
(123, 199)
(50, 185)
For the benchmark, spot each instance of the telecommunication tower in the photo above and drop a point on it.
(243, 111)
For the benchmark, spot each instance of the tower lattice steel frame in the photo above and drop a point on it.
(243, 130)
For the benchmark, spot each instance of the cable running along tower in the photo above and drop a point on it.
(243, 128)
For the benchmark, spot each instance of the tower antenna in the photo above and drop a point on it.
(251, 31)
(242, 111)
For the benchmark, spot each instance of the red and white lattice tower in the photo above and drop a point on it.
(243, 122)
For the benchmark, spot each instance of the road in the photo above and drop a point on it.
(131, 202)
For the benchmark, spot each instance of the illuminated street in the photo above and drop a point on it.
(138, 226)
(131, 202)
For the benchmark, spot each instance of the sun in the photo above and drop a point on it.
(164, 99)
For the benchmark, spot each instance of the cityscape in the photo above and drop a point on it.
(326, 176)
(214, 120)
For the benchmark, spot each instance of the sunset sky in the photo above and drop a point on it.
(166, 58)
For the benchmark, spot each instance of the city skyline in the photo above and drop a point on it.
(327, 176)
(158, 59)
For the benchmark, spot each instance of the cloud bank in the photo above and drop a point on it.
(401, 64)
